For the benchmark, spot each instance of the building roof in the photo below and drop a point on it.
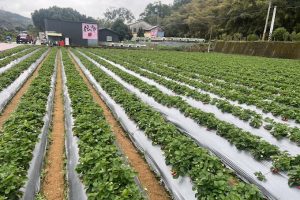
(69, 21)
(54, 34)
(141, 23)
(153, 27)
(108, 30)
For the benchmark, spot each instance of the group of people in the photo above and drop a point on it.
(60, 43)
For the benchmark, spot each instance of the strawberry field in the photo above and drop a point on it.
(209, 126)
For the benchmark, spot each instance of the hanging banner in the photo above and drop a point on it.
(89, 31)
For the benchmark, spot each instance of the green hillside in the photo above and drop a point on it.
(13, 21)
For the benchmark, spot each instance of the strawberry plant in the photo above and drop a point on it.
(260, 176)
(245, 89)
(182, 153)
(101, 166)
(294, 174)
(256, 122)
(10, 52)
(260, 94)
(280, 131)
(11, 58)
(235, 135)
(10, 75)
(21, 132)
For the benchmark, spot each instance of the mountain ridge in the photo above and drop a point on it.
(13, 21)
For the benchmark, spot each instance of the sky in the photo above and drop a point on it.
(93, 8)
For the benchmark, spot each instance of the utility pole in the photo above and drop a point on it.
(208, 50)
(157, 16)
(267, 20)
(272, 23)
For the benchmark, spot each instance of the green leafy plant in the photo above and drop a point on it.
(242, 83)
(182, 153)
(260, 176)
(15, 56)
(294, 174)
(10, 75)
(10, 52)
(101, 166)
(21, 131)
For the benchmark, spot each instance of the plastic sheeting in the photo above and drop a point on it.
(76, 189)
(277, 119)
(180, 188)
(284, 144)
(13, 54)
(149, 81)
(32, 186)
(8, 93)
(291, 123)
(276, 185)
(14, 62)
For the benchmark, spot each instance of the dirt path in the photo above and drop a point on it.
(146, 176)
(53, 186)
(13, 104)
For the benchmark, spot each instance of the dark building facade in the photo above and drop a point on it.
(71, 30)
(108, 35)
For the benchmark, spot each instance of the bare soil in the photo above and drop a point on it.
(53, 186)
(14, 102)
(154, 189)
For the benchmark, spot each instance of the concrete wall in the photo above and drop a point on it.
(289, 50)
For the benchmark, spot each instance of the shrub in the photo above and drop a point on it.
(295, 36)
(252, 37)
(279, 34)
(225, 37)
(287, 36)
(297, 28)
(237, 36)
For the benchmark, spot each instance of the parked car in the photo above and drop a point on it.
(8, 38)
(24, 38)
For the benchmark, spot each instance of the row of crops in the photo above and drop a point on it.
(22, 131)
(260, 145)
(211, 126)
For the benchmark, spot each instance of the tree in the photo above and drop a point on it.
(69, 14)
(178, 3)
(104, 23)
(195, 18)
(154, 13)
(124, 14)
(122, 29)
(33, 31)
(140, 32)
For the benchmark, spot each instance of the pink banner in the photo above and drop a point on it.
(89, 31)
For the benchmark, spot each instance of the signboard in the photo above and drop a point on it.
(67, 41)
(89, 31)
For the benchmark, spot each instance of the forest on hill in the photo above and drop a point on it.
(12, 23)
(225, 18)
